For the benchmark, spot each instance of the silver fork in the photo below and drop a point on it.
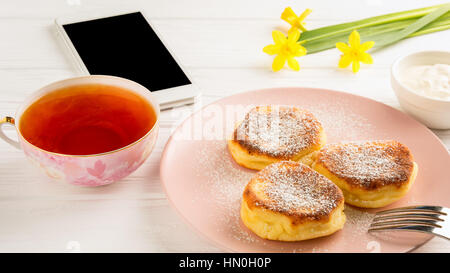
(427, 219)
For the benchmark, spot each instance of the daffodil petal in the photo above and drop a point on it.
(289, 15)
(278, 37)
(367, 45)
(278, 62)
(293, 63)
(345, 61)
(292, 29)
(302, 27)
(293, 36)
(271, 49)
(304, 14)
(355, 66)
(366, 58)
(343, 47)
(300, 51)
(354, 39)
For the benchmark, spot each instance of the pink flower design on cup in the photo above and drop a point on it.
(98, 170)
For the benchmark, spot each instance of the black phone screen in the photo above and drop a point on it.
(126, 46)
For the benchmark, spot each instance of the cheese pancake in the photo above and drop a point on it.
(371, 174)
(274, 133)
(288, 201)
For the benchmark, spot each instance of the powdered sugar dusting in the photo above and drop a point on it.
(293, 187)
(279, 131)
(367, 162)
(358, 220)
(226, 183)
(227, 180)
(339, 122)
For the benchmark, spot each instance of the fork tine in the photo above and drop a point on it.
(433, 220)
(421, 228)
(412, 209)
(406, 222)
(409, 216)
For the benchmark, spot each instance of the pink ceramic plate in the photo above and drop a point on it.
(205, 185)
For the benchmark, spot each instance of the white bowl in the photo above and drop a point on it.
(433, 112)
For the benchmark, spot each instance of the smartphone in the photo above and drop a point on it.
(128, 46)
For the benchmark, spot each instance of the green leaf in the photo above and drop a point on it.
(377, 33)
(327, 31)
(431, 28)
(417, 25)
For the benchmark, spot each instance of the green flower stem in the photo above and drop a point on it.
(416, 26)
(430, 30)
(378, 32)
(327, 31)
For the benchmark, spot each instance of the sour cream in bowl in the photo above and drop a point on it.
(421, 84)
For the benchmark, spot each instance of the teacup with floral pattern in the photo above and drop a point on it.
(94, 169)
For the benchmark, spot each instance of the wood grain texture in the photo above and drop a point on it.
(220, 42)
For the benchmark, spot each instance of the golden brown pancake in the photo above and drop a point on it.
(288, 201)
(371, 174)
(270, 134)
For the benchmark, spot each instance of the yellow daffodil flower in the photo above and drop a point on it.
(286, 48)
(354, 52)
(295, 21)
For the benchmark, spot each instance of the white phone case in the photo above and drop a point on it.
(167, 98)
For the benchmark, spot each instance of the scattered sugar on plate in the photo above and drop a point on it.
(226, 183)
(227, 180)
(339, 122)
(358, 219)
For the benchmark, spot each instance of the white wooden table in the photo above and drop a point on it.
(220, 42)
